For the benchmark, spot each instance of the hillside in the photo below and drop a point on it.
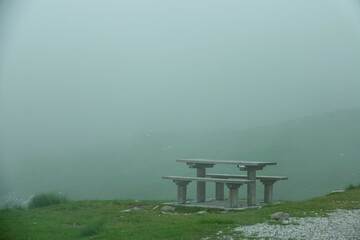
(319, 153)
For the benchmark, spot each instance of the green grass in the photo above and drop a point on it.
(108, 220)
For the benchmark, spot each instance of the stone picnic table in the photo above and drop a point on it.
(249, 166)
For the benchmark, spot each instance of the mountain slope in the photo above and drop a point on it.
(318, 153)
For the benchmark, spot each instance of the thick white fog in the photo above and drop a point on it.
(85, 74)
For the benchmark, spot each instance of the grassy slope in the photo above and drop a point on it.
(108, 222)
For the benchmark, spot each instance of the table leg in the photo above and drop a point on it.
(251, 187)
(200, 190)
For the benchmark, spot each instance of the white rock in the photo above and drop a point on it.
(168, 208)
(169, 213)
(127, 210)
(280, 216)
(202, 212)
(336, 191)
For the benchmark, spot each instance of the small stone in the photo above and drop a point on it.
(336, 191)
(202, 212)
(136, 208)
(169, 213)
(155, 207)
(127, 210)
(280, 216)
(167, 208)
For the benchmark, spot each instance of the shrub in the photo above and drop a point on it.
(91, 229)
(352, 186)
(46, 199)
(7, 207)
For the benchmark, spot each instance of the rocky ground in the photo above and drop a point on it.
(340, 225)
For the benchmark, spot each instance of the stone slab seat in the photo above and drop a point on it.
(232, 184)
(250, 166)
(268, 182)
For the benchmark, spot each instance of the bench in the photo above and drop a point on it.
(268, 182)
(232, 184)
(249, 166)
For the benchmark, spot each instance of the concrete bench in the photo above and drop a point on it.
(249, 166)
(232, 184)
(268, 182)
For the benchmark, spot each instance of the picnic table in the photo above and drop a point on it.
(249, 166)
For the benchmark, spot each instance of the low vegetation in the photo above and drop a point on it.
(352, 186)
(92, 228)
(119, 219)
(46, 199)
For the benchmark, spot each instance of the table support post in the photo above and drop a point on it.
(251, 187)
(219, 190)
(200, 192)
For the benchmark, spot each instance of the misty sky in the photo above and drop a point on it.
(93, 70)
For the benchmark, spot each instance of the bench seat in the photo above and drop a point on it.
(235, 176)
(232, 184)
(268, 182)
(209, 179)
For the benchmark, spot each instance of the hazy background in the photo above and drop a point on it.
(98, 98)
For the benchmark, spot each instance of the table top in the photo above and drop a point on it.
(235, 162)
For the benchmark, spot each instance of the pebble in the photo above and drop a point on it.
(340, 225)
(202, 212)
(280, 216)
(127, 210)
(168, 208)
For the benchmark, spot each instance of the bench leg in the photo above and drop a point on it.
(219, 190)
(200, 189)
(233, 194)
(181, 191)
(268, 191)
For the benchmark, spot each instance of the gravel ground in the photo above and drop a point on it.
(340, 225)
